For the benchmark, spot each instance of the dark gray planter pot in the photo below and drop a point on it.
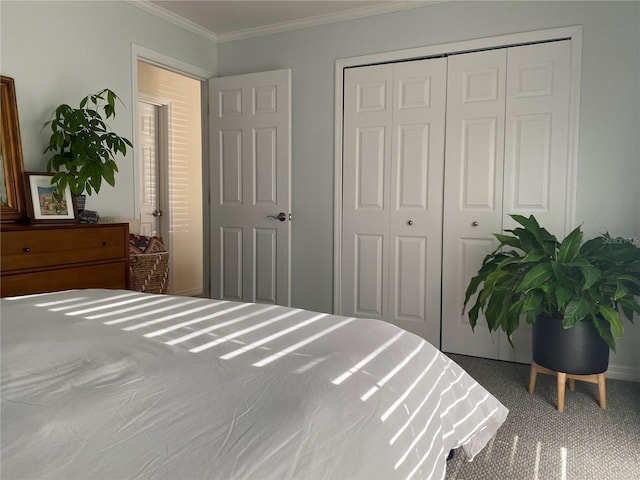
(578, 350)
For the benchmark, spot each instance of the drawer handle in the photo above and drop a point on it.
(26, 250)
(105, 244)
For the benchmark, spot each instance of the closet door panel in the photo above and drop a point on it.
(392, 191)
(415, 224)
(368, 119)
(473, 183)
(536, 150)
(537, 132)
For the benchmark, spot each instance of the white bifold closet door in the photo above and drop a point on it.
(437, 154)
(507, 152)
(392, 194)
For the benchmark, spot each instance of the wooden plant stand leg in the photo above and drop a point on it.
(533, 373)
(602, 391)
(562, 379)
(596, 378)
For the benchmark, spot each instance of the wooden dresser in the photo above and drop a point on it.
(44, 258)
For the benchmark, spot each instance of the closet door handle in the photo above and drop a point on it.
(474, 223)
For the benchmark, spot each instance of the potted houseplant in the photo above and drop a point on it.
(575, 293)
(83, 146)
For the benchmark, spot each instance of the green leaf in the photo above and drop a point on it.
(621, 291)
(535, 277)
(533, 301)
(563, 295)
(613, 317)
(629, 306)
(570, 246)
(534, 257)
(494, 310)
(508, 240)
(577, 309)
(591, 276)
(604, 330)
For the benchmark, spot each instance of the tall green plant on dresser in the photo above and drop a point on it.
(84, 147)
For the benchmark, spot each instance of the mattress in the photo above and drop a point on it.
(119, 384)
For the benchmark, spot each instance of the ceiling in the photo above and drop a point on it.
(231, 20)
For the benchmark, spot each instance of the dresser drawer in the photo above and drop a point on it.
(40, 248)
(108, 275)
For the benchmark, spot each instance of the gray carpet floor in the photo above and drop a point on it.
(536, 442)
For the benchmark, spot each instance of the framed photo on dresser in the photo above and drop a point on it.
(45, 204)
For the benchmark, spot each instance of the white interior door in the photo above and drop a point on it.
(250, 177)
(473, 186)
(392, 178)
(149, 184)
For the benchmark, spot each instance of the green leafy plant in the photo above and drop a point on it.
(531, 273)
(84, 147)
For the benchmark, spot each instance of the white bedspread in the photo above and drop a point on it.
(117, 384)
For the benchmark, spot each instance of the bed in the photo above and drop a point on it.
(115, 384)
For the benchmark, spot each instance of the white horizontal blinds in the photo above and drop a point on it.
(392, 177)
(148, 167)
(473, 188)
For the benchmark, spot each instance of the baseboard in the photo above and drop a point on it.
(617, 372)
(194, 292)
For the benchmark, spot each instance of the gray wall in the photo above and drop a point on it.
(58, 52)
(608, 191)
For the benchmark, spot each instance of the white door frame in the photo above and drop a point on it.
(169, 63)
(572, 33)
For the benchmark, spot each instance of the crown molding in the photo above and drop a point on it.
(360, 12)
(171, 17)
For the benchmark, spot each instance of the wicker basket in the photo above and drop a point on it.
(149, 272)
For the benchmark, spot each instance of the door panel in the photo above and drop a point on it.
(537, 133)
(251, 177)
(369, 286)
(536, 150)
(231, 265)
(473, 186)
(394, 154)
(415, 225)
(367, 153)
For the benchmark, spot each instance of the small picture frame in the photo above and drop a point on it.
(45, 204)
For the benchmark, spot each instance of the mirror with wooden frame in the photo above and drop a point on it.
(12, 201)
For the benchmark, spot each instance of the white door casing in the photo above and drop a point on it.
(394, 146)
(250, 119)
